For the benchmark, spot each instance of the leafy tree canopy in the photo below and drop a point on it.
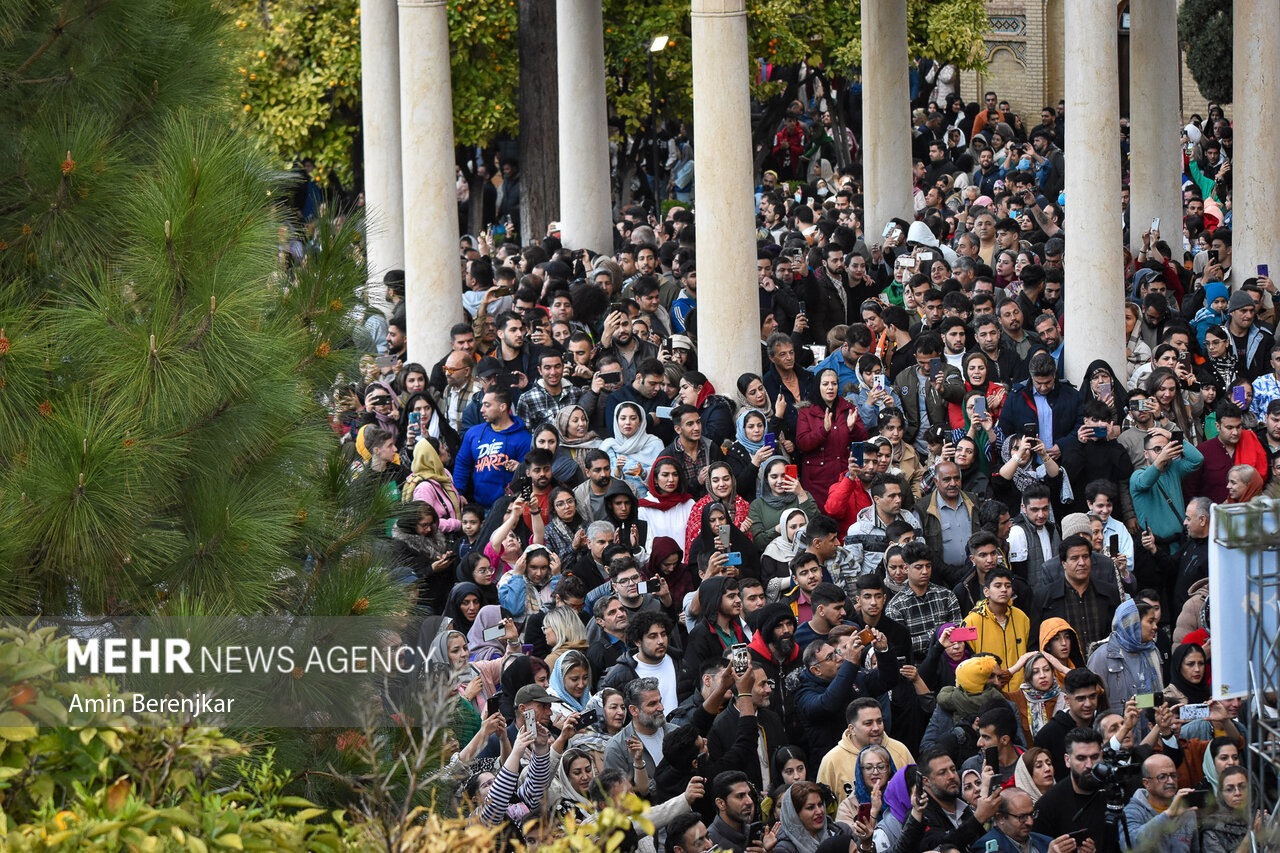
(1205, 33)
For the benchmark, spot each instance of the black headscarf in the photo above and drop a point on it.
(1119, 394)
(1196, 693)
(452, 608)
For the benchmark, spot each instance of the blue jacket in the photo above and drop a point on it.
(845, 375)
(1039, 843)
(1064, 399)
(820, 704)
(479, 471)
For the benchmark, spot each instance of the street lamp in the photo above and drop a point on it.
(658, 44)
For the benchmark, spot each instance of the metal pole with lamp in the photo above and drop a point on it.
(658, 44)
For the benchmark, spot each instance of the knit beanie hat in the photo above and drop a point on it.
(1077, 523)
(1240, 299)
(972, 675)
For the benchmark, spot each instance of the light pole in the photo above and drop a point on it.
(658, 44)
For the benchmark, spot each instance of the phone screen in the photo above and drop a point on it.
(980, 407)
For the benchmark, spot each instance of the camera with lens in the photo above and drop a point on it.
(1116, 775)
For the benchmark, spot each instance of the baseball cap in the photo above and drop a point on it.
(533, 693)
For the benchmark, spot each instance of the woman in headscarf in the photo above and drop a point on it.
(1129, 662)
(1033, 774)
(804, 819)
(381, 409)
(622, 510)
(490, 616)
(565, 525)
(1181, 408)
(632, 451)
(1105, 386)
(563, 467)
(429, 423)
(696, 390)
(570, 790)
(897, 801)
(903, 455)
(1222, 359)
(431, 483)
(708, 542)
(775, 492)
(943, 658)
(983, 431)
(418, 544)
(749, 451)
(973, 480)
(667, 507)
(977, 377)
(666, 561)
(576, 436)
(1244, 483)
(824, 432)
(447, 661)
(570, 683)
(1040, 696)
(1226, 828)
(1187, 685)
(775, 562)
(722, 489)
(1223, 752)
(872, 771)
(463, 605)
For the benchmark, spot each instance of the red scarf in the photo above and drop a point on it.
(660, 501)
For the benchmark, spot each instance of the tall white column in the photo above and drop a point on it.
(886, 120)
(586, 212)
(728, 304)
(433, 297)
(1094, 258)
(1155, 188)
(380, 97)
(1255, 173)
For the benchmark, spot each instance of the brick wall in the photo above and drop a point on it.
(1024, 51)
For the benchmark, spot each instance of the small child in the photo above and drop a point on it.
(1215, 311)
(472, 521)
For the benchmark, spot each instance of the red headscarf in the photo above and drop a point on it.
(657, 500)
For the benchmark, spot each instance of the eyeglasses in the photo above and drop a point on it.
(1163, 777)
(457, 369)
(1020, 818)
(874, 768)
(628, 581)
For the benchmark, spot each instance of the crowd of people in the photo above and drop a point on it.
(902, 587)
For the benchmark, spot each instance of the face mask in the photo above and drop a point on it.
(1024, 164)
(799, 197)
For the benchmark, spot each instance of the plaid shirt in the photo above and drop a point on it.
(537, 406)
(1089, 614)
(922, 614)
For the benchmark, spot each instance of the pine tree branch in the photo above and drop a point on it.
(58, 29)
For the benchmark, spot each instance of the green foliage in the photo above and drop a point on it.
(1205, 34)
(484, 64)
(165, 463)
(300, 79)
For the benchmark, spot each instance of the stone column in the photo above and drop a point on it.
(1256, 174)
(728, 318)
(1155, 188)
(586, 212)
(380, 94)
(1094, 258)
(433, 298)
(886, 120)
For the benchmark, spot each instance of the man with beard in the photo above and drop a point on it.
(830, 301)
(735, 809)
(685, 753)
(616, 340)
(649, 724)
(724, 732)
(1002, 357)
(774, 646)
(1015, 336)
(1076, 803)
(941, 816)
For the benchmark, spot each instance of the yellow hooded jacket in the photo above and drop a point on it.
(1008, 642)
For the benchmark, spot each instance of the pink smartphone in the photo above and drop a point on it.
(963, 635)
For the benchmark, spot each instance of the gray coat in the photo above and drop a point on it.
(618, 757)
